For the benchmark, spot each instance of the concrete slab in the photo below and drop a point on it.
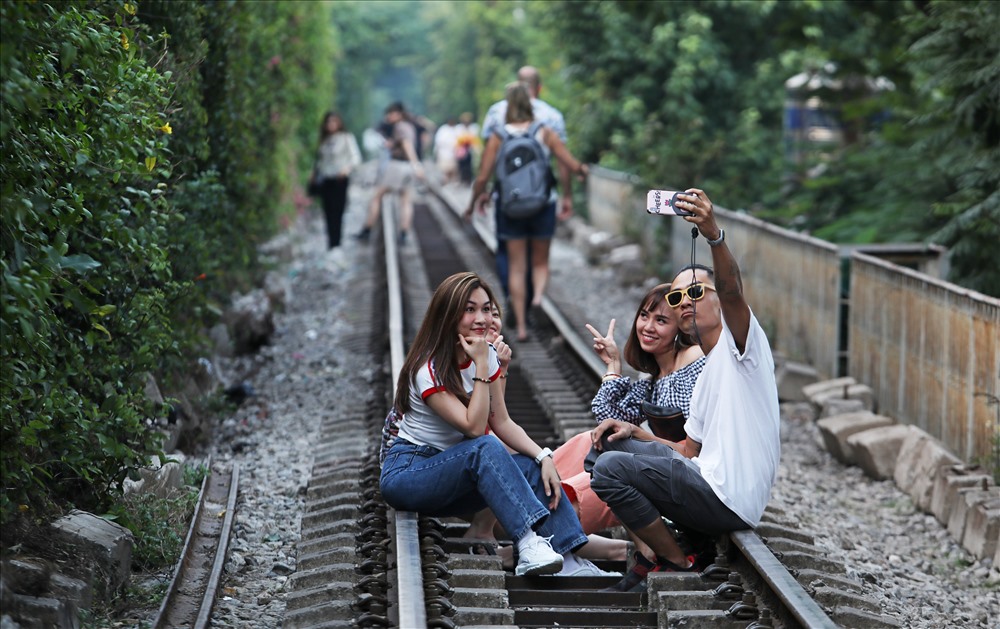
(876, 450)
(839, 406)
(861, 392)
(835, 431)
(791, 377)
(921, 457)
(946, 486)
(479, 597)
(982, 527)
(102, 550)
(827, 385)
(968, 499)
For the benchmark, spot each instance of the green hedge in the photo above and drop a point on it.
(148, 148)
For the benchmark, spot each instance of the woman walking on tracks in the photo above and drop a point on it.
(337, 156)
(443, 463)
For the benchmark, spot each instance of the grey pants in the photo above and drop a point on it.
(643, 480)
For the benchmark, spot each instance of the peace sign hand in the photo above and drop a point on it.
(605, 345)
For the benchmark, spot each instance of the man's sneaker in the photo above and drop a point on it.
(537, 557)
(635, 579)
(586, 568)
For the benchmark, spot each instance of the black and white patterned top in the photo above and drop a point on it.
(622, 398)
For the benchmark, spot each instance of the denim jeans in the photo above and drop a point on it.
(471, 475)
(642, 480)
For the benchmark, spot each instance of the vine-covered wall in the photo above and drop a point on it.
(147, 149)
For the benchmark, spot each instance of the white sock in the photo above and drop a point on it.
(523, 542)
(570, 562)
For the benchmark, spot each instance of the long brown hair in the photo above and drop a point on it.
(437, 338)
(519, 103)
(639, 358)
(323, 133)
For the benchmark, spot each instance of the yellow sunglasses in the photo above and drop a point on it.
(694, 293)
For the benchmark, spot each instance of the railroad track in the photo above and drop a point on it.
(362, 564)
(191, 593)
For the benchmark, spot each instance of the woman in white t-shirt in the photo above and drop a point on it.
(443, 462)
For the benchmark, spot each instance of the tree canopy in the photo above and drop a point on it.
(693, 93)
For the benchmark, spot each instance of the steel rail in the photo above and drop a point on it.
(181, 606)
(215, 577)
(408, 589)
(796, 600)
(784, 586)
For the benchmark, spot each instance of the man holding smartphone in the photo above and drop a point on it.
(719, 479)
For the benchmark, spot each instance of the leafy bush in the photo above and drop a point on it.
(147, 150)
(85, 275)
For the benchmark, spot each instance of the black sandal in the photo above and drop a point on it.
(483, 547)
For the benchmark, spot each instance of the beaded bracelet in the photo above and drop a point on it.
(503, 375)
(610, 376)
(478, 379)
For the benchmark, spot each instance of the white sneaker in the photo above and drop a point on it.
(586, 568)
(336, 260)
(537, 557)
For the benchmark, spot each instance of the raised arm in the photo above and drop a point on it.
(728, 283)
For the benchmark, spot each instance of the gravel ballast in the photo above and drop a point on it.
(905, 559)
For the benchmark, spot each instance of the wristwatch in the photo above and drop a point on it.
(717, 241)
(541, 455)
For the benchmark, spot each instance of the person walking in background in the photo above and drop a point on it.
(336, 157)
(445, 144)
(533, 233)
(553, 119)
(400, 172)
(719, 478)
(467, 146)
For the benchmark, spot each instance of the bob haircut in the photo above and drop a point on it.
(639, 358)
(437, 338)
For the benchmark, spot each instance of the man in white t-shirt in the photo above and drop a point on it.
(719, 479)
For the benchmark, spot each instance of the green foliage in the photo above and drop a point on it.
(381, 45)
(159, 526)
(85, 275)
(956, 59)
(146, 154)
(679, 94)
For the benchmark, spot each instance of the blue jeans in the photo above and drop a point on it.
(471, 475)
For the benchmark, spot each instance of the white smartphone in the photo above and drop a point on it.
(664, 202)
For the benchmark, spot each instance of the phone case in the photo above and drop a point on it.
(664, 202)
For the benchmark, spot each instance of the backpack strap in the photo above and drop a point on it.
(535, 126)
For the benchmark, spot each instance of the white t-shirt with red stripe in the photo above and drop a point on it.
(421, 425)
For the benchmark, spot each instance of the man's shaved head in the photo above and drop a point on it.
(529, 75)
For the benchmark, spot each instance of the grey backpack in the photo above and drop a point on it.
(523, 176)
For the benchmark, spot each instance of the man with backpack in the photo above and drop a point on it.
(525, 214)
(552, 118)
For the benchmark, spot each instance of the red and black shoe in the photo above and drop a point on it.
(635, 579)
